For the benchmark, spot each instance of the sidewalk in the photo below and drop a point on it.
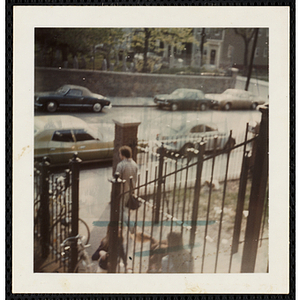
(132, 101)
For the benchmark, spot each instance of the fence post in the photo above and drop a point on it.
(114, 223)
(200, 155)
(257, 196)
(45, 214)
(240, 204)
(126, 130)
(74, 166)
(162, 153)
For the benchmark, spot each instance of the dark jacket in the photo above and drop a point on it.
(103, 262)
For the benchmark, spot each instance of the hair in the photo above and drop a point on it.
(126, 151)
(175, 240)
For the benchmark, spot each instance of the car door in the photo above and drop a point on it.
(91, 148)
(199, 99)
(73, 99)
(189, 100)
(61, 147)
(244, 100)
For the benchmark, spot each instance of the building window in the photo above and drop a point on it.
(265, 52)
(257, 52)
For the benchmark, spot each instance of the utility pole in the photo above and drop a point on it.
(252, 58)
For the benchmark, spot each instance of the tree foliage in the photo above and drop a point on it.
(109, 41)
(146, 40)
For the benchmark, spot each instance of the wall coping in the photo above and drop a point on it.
(127, 122)
(132, 74)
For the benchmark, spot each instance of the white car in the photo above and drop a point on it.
(184, 137)
(236, 99)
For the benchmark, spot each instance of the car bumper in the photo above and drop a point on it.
(162, 103)
(109, 106)
(38, 105)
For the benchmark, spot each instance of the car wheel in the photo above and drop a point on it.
(97, 107)
(227, 106)
(203, 106)
(51, 106)
(174, 106)
(253, 106)
(184, 149)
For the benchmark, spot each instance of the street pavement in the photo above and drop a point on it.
(132, 102)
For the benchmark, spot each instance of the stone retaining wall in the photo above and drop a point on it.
(118, 84)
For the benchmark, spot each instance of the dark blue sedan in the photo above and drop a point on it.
(70, 97)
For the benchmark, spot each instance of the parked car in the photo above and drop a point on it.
(184, 99)
(59, 137)
(187, 136)
(70, 96)
(236, 99)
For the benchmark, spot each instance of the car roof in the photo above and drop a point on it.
(188, 90)
(195, 123)
(47, 122)
(182, 129)
(85, 90)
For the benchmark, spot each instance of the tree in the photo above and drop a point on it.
(145, 40)
(247, 35)
(252, 58)
(107, 38)
(67, 40)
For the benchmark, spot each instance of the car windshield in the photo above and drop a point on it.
(63, 90)
(179, 93)
(228, 92)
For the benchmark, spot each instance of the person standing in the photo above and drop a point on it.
(127, 168)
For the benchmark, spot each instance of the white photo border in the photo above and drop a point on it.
(25, 19)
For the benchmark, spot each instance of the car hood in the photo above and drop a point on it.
(42, 94)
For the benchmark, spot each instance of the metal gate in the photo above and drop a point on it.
(188, 222)
(55, 214)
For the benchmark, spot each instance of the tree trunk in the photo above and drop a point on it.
(245, 69)
(201, 46)
(147, 36)
(251, 59)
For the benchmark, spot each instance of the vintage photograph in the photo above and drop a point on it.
(152, 155)
(150, 150)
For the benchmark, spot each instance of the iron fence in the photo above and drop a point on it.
(56, 213)
(198, 196)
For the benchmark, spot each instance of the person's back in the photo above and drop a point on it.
(127, 167)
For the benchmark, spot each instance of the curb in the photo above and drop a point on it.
(133, 105)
